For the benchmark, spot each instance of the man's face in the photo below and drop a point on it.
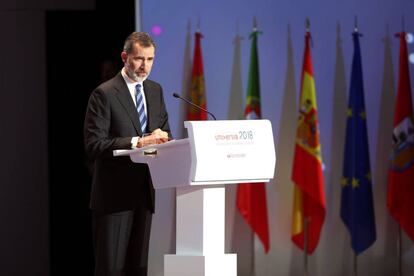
(139, 62)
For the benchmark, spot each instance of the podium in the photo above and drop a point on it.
(216, 153)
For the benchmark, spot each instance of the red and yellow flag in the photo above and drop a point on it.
(309, 197)
(197, 90)
(400, 196)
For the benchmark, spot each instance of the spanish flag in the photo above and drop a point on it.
(309, 197)
(197, 90)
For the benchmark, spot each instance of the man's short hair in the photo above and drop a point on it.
(142, 38)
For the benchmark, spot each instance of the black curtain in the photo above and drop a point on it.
(83, 49)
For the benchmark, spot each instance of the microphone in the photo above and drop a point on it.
(193, 104)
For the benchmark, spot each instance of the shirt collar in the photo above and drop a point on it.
(128, 80)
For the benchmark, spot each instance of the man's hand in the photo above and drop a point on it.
(161, 134)
(158, 136)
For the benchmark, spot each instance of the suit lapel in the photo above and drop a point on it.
(126, 101)
(149, 97)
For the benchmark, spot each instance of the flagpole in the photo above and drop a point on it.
(399, 263)
(355, 255)
(399, 253)
(355, 264)
(306, 220)
(252, 268)
(305, 249)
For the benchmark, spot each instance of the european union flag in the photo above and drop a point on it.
(357, 210)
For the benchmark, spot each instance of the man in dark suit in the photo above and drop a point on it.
(119, 113)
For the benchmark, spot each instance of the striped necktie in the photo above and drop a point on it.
(140, 108)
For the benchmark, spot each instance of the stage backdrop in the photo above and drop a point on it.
(226, 26)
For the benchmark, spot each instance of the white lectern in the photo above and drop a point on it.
(216, 153)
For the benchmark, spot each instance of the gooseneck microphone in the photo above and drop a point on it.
(193, 104)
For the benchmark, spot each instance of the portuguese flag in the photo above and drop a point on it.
(251, 198)
(309, 197)
(253, 85)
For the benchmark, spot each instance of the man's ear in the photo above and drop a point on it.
(124, 57)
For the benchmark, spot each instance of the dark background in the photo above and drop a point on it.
(79, 45)
(52, 56)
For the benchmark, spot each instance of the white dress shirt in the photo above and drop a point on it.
(131, 87)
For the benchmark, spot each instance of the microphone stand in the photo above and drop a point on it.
(195, 105)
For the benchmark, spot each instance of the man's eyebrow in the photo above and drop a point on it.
(144, 58)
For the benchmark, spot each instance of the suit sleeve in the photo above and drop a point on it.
(164, 125)
(98, 143)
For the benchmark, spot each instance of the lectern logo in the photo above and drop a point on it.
(226, 137)
(234, 136)
(236, 155)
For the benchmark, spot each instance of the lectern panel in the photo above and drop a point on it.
(235, 151)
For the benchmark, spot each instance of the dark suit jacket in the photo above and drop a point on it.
(111, 121)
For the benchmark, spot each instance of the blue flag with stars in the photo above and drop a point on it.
(357, 209)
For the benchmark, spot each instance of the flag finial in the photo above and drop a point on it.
(254, 23)
(307, 24)
(356, 24)
(338, 33)
(387, 28)
(198, 25)
(238, 37)
(403, 23)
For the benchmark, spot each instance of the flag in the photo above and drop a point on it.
(197, 90)
(400, 196)
(236, 106)
(309, 196)
(253, 110)
(185, 83)
(357, 208)
(251, 197)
